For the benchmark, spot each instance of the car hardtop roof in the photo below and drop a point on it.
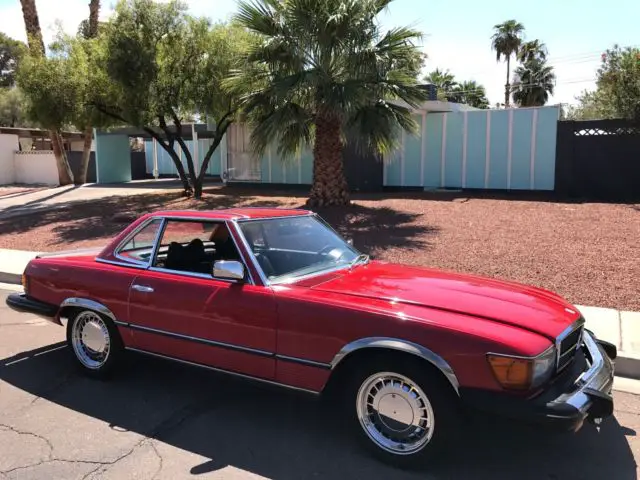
(233, 213)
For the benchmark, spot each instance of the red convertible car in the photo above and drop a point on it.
(278, 296)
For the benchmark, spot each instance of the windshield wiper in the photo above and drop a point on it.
(362, 258)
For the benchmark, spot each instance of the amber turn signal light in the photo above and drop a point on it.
(512, 373)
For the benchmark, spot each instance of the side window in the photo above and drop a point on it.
(140, 246)
(189, 246)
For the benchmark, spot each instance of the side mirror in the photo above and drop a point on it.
(228, 270)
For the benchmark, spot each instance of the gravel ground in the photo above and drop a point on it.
(587, 252)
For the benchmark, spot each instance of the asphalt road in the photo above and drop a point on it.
(160, 420)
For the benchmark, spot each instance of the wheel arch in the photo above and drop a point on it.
(381, 344)
(74, 303)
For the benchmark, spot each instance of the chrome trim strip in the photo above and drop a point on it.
(156, 242)
(302, 361)
(579, 323)
(212, 343)
(522, 357)
(72, 252)
(276, 217)
(89, 304)
(403, 346)
(120, 264)
(132, 234)
(220, 370)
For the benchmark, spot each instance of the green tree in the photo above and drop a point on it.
(506, 42)
(444, 81)
(594, 105)
(163, 65)
(323, 72)
(619, 78)
(37, 58)
(532, 50)
(12, 108)
(11, 51)
(533, 83)
(470, 93)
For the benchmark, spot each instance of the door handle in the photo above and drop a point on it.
(142, 288)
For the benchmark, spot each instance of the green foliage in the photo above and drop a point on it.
(531, 51)
(12, 108)
(617, 93)
(533, 83)
(470, 93)
(619, 77)
(162, 66)
(444, 81)
(52, 86)
(327, 59)
(507, 38)
(11, 51)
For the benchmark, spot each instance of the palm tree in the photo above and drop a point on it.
(91, 32)
(325, 72)
(444, 81)
(470, 93)
(506, 41)
(533, 83)
(36, 48)
(532, 50)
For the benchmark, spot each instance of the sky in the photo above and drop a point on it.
(456, 33)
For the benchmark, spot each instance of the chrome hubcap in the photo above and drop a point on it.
(90, 339)
(395, 413)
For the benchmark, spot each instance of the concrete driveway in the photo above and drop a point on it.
(160, 420)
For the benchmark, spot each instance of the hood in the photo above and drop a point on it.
(519, 305)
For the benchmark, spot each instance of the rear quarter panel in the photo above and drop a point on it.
(55, 279)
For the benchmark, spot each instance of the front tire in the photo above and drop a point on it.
(402, 410)
(95, 343)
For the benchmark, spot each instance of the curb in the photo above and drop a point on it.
(627, 365)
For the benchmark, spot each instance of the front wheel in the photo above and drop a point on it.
(95, 343)
(402, 411)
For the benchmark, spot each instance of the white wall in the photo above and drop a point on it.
(38, 166)
(8, 145)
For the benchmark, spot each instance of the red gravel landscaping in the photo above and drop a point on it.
(588, 252)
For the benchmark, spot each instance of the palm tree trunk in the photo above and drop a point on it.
(329, 182)
(94, 10)
(507, 89)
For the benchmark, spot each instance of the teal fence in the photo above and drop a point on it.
(511, 149)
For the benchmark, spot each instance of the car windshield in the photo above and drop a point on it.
(291, 247)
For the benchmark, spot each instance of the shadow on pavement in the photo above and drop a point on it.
(285, 435)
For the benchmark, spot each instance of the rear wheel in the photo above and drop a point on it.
(401, 410)
(95, 342)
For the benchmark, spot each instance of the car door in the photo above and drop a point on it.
(192, 316)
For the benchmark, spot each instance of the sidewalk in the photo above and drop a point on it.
(621, 328)
(46, 199)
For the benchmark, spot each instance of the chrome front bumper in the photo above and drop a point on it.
(592, 394)
(582, 392)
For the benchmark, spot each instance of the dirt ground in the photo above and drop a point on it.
(588, 252)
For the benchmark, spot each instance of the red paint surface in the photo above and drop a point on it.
(459, 317)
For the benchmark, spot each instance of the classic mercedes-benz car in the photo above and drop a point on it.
(278, 296)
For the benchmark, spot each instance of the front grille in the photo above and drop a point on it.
(568, 343)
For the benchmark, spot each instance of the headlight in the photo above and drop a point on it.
(520, 373)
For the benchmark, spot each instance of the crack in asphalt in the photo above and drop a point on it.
(174, 420)
(161, 464)
(9, 428)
